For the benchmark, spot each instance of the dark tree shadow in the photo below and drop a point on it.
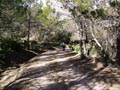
(14, 59)
(56, 86)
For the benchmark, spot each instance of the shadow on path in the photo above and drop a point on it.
(71, 74)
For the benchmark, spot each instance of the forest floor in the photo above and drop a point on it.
(61, 70)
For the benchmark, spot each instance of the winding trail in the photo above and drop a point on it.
(61, 70)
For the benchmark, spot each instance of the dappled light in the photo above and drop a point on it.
(59, 44)
(68, 73)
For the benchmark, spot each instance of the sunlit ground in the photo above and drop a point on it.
(59, 70)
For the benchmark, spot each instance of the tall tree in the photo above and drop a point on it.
(116, 5)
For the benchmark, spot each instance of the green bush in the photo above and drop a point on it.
(6, 47)
(11, 45)
(77, 48)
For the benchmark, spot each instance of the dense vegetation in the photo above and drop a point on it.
(27, 25)
(98, 26)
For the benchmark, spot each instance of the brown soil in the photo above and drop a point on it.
(61, 70)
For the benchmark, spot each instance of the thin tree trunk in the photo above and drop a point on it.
(80, 41)
(85, 38)
(118, 47)
(80, 36)
(118, 35)
(29, 27)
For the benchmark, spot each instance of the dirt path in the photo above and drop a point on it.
(58, 70)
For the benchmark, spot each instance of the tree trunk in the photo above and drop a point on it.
(82, 39)
(118, 47)
(29, 24)
(102, 51)
(118, 36)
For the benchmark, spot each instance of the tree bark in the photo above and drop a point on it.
(28, 32)
(82, 43)
(102, 51)
(118, 46)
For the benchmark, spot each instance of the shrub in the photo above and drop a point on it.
(11, 45)
(6, 47)
(77, 48)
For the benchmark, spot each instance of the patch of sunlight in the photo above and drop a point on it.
(64, 59)
(51, 62)
(60, 54)
(42, 57)
(98, 87)
(38, 65)
(43, 81)
(49, 52)
(9, 78)
(80, 87)
(61, 59)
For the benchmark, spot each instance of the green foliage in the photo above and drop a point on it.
(94, 51)
(77, 48)
(99, 13)
(84, 5)
(49, 45)
(18, 1)
(46, 16)
(9, 45)
(62, 35)
(114, 3)
(12, 14)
